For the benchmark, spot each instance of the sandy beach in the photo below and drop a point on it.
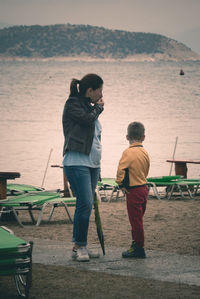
(170, 226)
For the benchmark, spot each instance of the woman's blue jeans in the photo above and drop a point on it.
(83, 181)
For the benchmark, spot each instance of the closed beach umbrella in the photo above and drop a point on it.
(98, 223)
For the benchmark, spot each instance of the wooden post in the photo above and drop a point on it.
(3, 190)
(170, 172)
(181, 169)
(65, 183)
(4, 176)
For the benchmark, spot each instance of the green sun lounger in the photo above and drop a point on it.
(186, 187)
(36, 201)
(18, 189)
(167, 184)
(108, 184)
(16, 260)
(174, 184)
(162, 180)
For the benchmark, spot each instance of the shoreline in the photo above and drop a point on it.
(133, 58)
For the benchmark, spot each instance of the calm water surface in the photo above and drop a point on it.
(32, 97)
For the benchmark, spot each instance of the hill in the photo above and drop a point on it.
(88, 41)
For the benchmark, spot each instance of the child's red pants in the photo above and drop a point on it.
(136, 205)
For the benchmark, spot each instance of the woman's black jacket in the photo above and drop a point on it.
(78, 120)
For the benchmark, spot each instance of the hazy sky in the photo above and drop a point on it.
(167, 17)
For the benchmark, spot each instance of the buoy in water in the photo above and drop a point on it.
(181, 72)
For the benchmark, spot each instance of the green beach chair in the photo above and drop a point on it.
(16, 260)
(36, 201)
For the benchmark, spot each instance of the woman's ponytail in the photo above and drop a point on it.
(74, 91)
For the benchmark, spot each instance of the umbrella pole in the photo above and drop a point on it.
(170, 172)
(46, 167)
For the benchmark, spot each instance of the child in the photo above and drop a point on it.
(132, 172)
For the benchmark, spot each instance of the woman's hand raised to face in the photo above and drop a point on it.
(100, 102)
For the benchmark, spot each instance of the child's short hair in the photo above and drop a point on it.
(136, 131)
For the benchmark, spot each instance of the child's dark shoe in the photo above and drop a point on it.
(134, 252)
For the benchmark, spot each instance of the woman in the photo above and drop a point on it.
(82, 153)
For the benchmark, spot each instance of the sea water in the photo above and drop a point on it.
(33, 94)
